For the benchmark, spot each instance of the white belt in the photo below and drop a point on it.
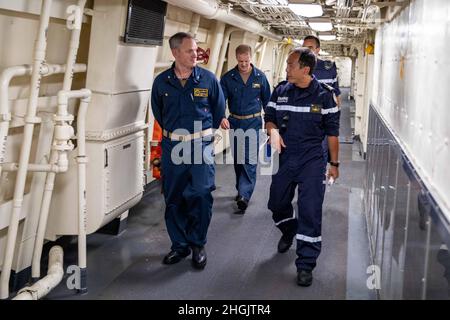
(187, 137)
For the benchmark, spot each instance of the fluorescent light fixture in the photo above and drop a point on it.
(321, 26)
(327, 37)
(306, 10)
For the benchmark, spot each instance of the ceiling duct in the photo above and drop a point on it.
(211, 10)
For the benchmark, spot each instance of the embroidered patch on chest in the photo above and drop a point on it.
(282, 99)
(200, 92)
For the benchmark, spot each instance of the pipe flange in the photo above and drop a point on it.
(82, 159)
(32, 120)
(66, 118)
(5, 116)
(63, 147)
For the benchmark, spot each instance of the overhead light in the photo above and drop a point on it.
(306, 10)
(321, 26)
(327, 37)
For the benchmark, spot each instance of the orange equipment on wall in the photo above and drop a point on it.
(155, 150)
(203, 55)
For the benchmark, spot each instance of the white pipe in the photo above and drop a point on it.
(5, 115)
(163, 65)
(195, 23)
(5, 79)
(30, 120)
(210, 10)
(61, 143)
(60, 136)
(223, 49)
(215, 47)
(259, 45)
(54, 276)
(260, 60)
(82, 161)
(36, 167)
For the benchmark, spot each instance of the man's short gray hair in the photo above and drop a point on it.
(176, 40)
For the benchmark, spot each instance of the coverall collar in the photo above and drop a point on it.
(304, 92)
(172, 78)
(236, 74)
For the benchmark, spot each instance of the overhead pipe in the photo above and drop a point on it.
(211, 10)
(25, 150)
(63, 119)
(5, 116)
(54, 276)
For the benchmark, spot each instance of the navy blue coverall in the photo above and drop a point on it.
(245, 99)
(303, 117)
(187, 186)
(326, 72)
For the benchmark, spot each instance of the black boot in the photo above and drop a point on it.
(304, 278)
(242, 203)
(285, 243)
(175, 256)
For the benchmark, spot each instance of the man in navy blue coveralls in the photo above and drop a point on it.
(187, 101)
(326, 73)
(299, 115)
(247, 90)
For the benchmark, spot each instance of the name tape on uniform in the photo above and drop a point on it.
(200, 92)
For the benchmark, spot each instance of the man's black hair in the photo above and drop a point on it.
(306, 58)
(313, 38)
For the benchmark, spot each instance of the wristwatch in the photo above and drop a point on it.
(334, 164)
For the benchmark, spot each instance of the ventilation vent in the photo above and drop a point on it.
(145, 22)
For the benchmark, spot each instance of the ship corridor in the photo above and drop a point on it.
(242, 259)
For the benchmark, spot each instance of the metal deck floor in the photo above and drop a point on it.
(242, 259)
